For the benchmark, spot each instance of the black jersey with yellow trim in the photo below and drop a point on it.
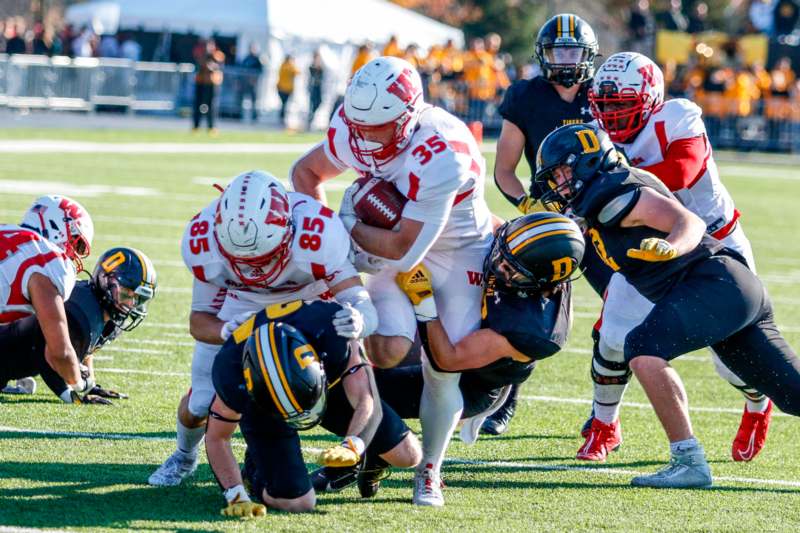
(536, 109)
(604, 202)
(534, 325)
(313, 319)
(85, 315)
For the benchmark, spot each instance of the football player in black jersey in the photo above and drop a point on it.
(285, 370)
(565, 49)
(526, 316)
(114, 300)
(703, 293)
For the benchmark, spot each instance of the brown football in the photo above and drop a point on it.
(378, 203)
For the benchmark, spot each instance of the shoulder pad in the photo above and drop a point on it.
(321, 243)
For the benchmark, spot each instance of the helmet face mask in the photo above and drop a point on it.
(565, 49)
(627, 89)
(381, 110)
(125, 281)
(253, 228)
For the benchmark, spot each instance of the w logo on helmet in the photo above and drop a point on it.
(403, 88)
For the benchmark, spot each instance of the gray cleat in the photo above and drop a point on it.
(175, 469)
(687, 470)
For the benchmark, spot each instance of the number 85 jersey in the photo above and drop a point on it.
(318, 258)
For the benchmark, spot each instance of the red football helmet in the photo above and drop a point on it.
(381, 109)
(626, 90)
(253, 227)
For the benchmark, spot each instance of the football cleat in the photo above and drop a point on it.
(22, 386)
(752, 434)
(687, 470)
(428, 487)
(371, 474)
(332, 479)
(498, 422)
(175, 469)
(601, 439)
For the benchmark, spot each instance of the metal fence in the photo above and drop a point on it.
(40, 82)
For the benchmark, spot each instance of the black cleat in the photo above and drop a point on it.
(371, 474)
(330, 479)
(498, 423)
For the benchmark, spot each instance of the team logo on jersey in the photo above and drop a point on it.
(474, 278)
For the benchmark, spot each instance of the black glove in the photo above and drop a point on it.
(98, 390)
(87, 399)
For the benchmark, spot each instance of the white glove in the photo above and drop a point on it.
(230, 326)
(349, 322)
(366, 262)
(346, 210)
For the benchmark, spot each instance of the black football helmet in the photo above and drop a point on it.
(535, 252)
(124, 280)
(585, 148)
(565, 49)
(284, 375)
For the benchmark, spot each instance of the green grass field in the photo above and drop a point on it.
(85, 467)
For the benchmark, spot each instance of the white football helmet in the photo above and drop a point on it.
(65, 223)
(381, 109)
(627, 88)
(253, 227)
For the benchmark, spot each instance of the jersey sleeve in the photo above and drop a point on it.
(207, 298)
(509, 108)
(434, 187)
(682, 120)
(199, 249)
(321, 246)
(337, 144)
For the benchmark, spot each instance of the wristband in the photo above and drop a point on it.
(66, 396)
(354, 443)
(236, 494)
(426, 310)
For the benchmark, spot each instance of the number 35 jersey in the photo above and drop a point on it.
(319, 253)
(441, 172)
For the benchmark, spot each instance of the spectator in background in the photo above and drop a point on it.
(641, 28)
(208, 78)
(480, 79)
(785, 18)
(2, 36)
(109, 46)
(698, 20)
(452, 60)
(286, 75)
(392, 48)
(673, 19)
(41, 42)
(83, 45)
(782, 77)
(254, 67)
(742, 91)
(411, 54)
(15, 44)
(316, 74)
(363, 56)
(760, 15)
(129, 48)
(67, 38)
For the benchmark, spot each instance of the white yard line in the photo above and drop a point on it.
(599, 470)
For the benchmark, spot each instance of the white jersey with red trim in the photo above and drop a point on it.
(22, 253)
(705, 196)
(319, 253)
(441, 172)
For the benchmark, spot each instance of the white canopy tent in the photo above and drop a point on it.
(279, 27)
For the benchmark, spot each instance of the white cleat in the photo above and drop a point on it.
(175, 469)
(22, 386)
(428, 488)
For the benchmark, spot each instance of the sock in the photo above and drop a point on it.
(189, 439)
(757, 403)
(610, 375)
(682, 446)
(439, 411)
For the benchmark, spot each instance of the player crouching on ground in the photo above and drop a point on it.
(526, 317)
(703, 293)
(114, 300)
(39, 260)
(286, 370)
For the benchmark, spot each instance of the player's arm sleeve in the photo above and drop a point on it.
(206, 297)
(683, 163)
(432, 208)
(337, 139)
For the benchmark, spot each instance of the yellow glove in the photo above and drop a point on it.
(348, 453)
(653, 250)
(416, 283)
(245, 510)
(529, 205)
